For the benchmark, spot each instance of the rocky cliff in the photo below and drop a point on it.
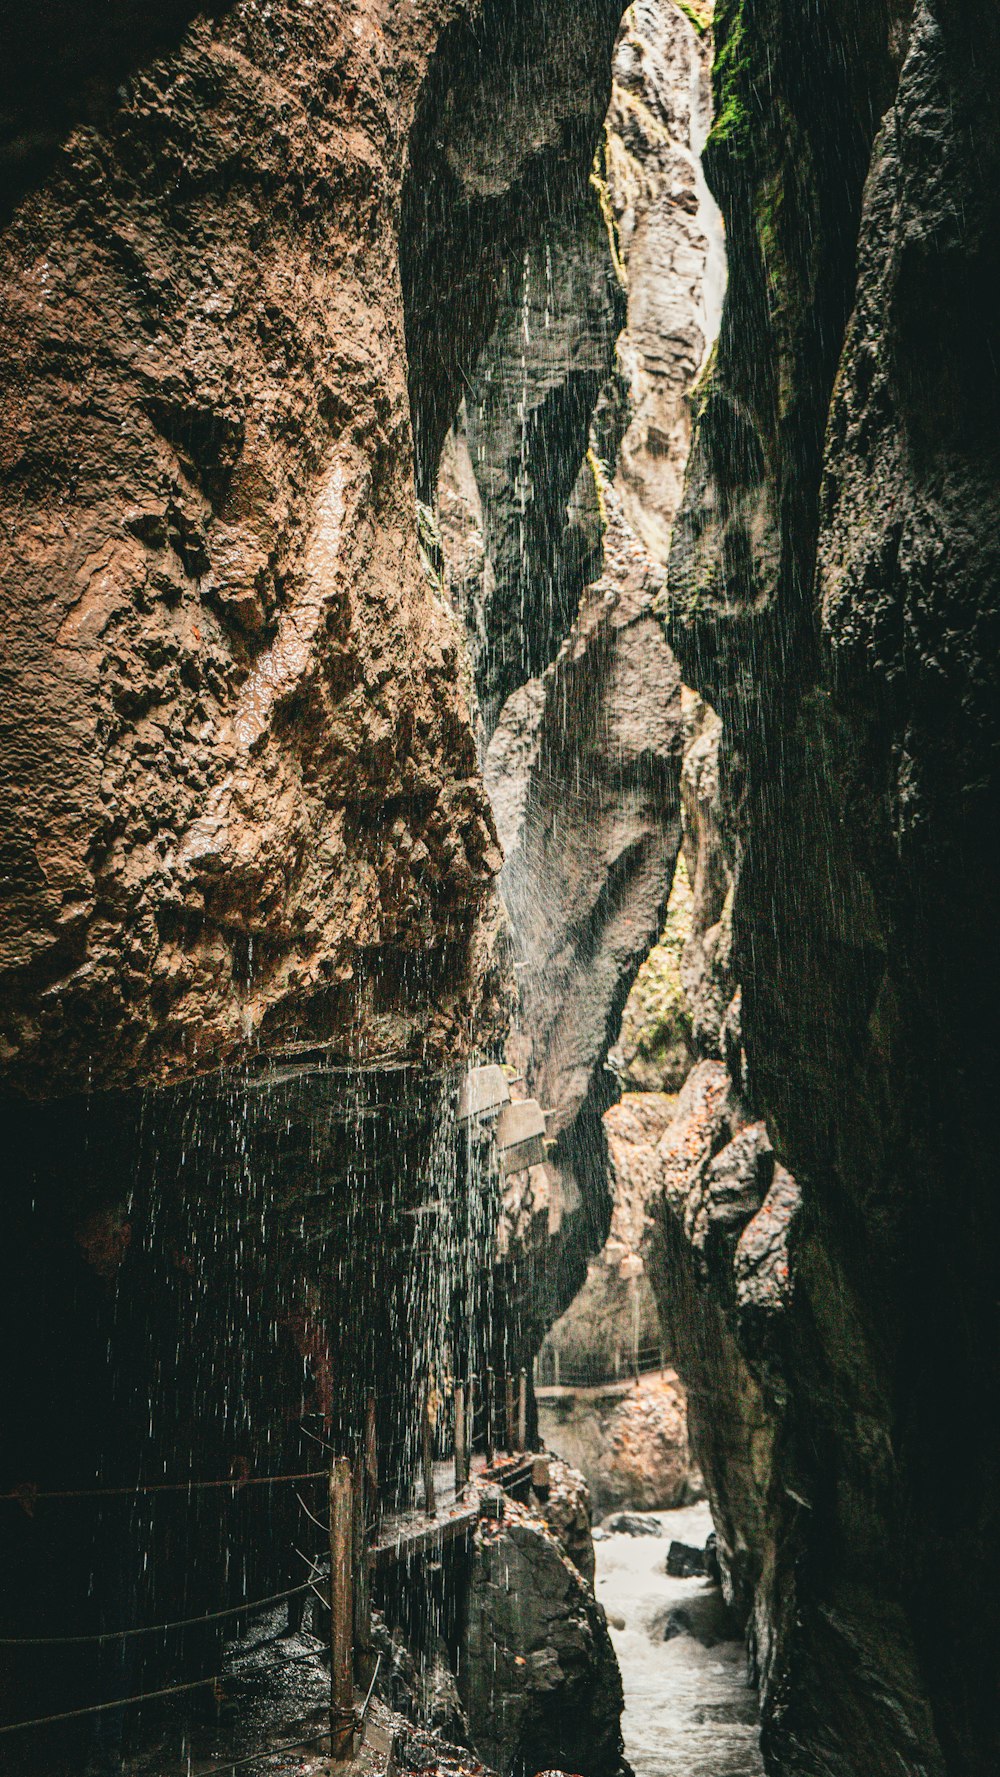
(241, 798)
(241, 284)
(239, 781)
(832, 590)
(539, 1676)
(552, 504)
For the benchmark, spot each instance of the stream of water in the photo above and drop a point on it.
(688, 1709)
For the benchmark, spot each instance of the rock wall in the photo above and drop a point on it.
(629, 1439)
(240, 789)
(583, 760)
(831, 589)
(242, 806)
(538, 1675)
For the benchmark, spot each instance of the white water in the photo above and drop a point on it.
(688, 1710)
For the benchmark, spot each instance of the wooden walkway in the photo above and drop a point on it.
(412, 1535)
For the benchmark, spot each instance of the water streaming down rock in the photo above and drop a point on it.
(215, 1281)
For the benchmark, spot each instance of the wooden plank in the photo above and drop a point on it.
(341, 1610)
(483, 1089)
(411, 1541)
(427, 1456)
(461, 1470)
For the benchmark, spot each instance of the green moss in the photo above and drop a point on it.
(654, 1048)
(788, 229)
(702, 21)
(600, 474)
(599, 182)
(701, 388)
(732, 83)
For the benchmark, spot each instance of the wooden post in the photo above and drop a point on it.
(489, 1393)
(362, 1579)
(427, 1454)
(461, 1472)
(341, 1610)
(371, 1448)
(470, 1424)
(511, 1416)
(522, 1411)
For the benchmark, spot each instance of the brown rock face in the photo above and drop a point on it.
(239, 781)
(629, 1440)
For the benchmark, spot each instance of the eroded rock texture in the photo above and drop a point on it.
(539, 1677)
(833, 592)
(240, 784)
(242, 801)
(583, 763)
(629, 1439)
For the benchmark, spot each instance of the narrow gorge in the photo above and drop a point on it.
(499, 836)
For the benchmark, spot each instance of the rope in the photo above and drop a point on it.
(240, 1764)
(210, 1616)
(571, 1376)
(170, 1690)
(27, 1495)
(312, 1516)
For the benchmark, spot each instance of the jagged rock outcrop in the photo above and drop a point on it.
(721, 1217)
(629, 1439)
(584, 763)
(539, 1677)
(683, 994)
(832, 586)
(670, 246)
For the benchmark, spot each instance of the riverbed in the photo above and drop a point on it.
(688, 1709)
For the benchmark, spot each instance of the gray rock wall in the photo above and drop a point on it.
(832, 585)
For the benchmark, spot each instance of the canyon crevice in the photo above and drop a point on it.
(469, 601)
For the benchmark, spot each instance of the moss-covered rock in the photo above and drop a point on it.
(654, 1052)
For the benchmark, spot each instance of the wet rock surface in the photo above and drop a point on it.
(830, 588)
(584, 759)
(539, 1676)
(240, 781)
(629, 1439)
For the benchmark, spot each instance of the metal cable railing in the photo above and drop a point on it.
(209, 1616)
(552, 1374)
(26, 1495)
